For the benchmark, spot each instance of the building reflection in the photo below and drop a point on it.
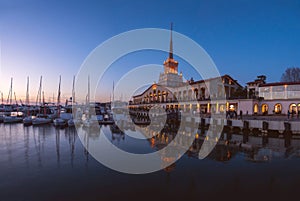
(256, 149)
(38, 144)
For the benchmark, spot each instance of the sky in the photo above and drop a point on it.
(51, 38)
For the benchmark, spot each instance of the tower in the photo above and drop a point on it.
(170, 65)
(170, 77)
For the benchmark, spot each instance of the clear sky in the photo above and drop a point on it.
(52, 38)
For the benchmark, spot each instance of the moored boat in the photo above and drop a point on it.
(13, 119)
(41, 119)
(27, 121)
(59, 122)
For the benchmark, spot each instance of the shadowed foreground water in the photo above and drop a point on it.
(45, 163)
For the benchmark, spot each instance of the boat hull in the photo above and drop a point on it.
(41, 121)
(12, 119)
(59, 122)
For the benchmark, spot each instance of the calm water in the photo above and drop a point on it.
(45, 163)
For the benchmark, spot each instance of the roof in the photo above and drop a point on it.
(145, 90)
(279, 84)
(223, 76)
(195, 82)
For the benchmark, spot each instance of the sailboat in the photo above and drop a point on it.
(12, 117)
(89, 120)
(59, 122)
(1, 108)
(27, 121)
(77, 119)
(43, 117)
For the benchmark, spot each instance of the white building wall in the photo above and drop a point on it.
(246, 105)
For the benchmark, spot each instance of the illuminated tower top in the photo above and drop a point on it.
(170, 65)
(170, 75)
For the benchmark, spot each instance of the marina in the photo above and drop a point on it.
(149, 100)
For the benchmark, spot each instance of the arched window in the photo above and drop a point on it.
(264, 109)
(222, 108)
(277, 108)
(255, 108)
(196, 93)
(202, 93)
(293, 108)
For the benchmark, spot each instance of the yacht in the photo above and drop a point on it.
(41, 119)
(13, 118)
(27, 121)
(59, 122)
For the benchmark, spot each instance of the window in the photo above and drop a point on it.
(255, 108)
(264, 109)
(277, 108)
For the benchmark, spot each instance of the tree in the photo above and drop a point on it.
(291, 75)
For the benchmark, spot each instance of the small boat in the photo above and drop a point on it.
(41, 119)
(27, 121)
(12, 119)
(59, 122)
(68, 116)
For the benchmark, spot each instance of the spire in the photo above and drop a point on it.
(171, 43)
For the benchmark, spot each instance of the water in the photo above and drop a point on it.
(45, 163)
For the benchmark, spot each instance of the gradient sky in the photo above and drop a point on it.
(52, 38)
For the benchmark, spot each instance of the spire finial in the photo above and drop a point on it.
(171, 43)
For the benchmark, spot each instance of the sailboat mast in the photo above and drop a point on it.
(44, 103)
(40, 92)
(88, 90)
(39, 95)
(15, 98)
(9, 98)
(27, 92)
(73, 91)
(27, 96)
(58, 97)
(113, 92)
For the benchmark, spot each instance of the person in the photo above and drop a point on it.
(235, 114)
(288, 114)
(241, 114)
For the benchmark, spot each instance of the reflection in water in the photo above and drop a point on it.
(57, 140)
(37, 158)
(26, 145)
(71, 135)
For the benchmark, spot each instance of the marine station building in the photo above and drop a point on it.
(257, 98)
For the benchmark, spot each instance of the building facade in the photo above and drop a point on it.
(205, 96)
(197, 96)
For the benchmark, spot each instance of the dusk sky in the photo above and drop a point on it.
(52, 38)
